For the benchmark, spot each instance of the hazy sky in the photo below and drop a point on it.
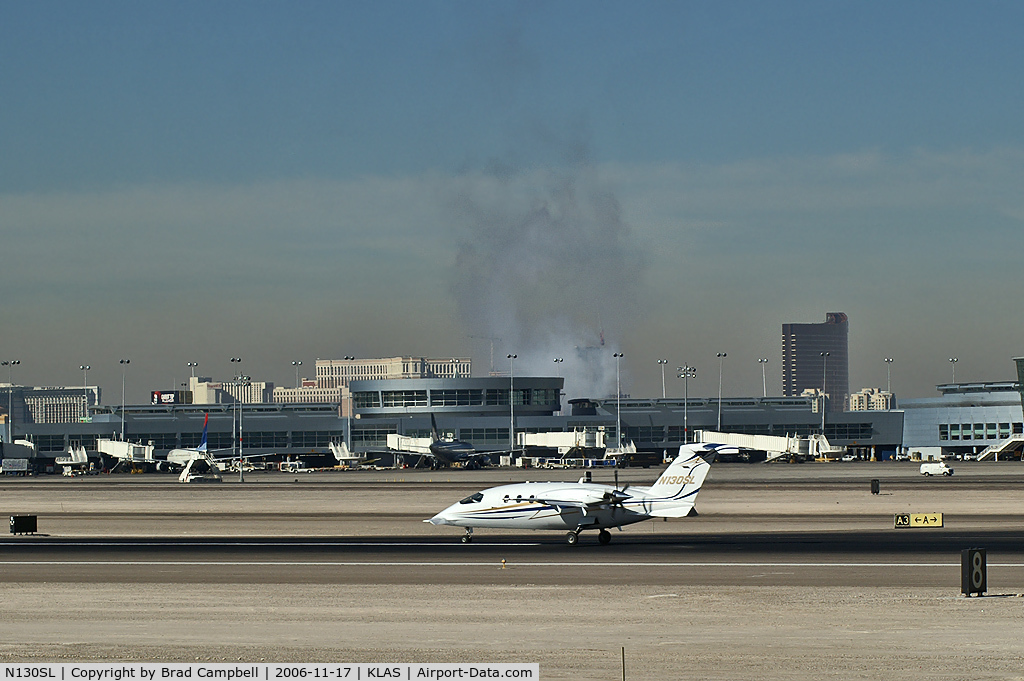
(191, 181)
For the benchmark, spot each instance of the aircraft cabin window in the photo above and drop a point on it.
(473, 499)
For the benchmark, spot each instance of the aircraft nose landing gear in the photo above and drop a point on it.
(468, 537)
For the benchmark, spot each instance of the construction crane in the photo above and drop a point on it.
(492, 339)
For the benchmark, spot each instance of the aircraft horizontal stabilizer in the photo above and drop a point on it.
(676, 511)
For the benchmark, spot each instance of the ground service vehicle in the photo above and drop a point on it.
(936, 468)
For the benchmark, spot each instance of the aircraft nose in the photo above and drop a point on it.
(439, 519)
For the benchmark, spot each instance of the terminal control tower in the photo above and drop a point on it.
(804, 367)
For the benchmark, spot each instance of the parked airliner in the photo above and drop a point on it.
(443, 450)
(583, 505)
(447, 450)
(198, 464)
(182, 457)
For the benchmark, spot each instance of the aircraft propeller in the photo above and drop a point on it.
(617, 496)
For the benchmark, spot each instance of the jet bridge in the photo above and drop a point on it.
(402, 443)
(128, 454)
(777, 447)
(126, 451)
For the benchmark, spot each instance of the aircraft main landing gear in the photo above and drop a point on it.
(572, 538)
(604, 536)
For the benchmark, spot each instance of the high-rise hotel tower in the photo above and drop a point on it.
(805, 366)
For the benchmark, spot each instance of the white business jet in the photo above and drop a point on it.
(578, 506)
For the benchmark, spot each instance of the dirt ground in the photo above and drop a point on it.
(572, 632)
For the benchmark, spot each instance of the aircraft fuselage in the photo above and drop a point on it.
(582, 505)
(520, 506)
(452, 451)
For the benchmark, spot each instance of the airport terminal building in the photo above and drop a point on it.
(480, 411)
(965, 419)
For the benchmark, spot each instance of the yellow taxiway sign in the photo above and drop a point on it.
(918, 520)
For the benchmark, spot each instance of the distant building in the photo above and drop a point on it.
(310, 394)
(332, 373)
(804, 365)
(872, 399)
(48, 404)
(329, 387)
(818, 399)
(207, 391)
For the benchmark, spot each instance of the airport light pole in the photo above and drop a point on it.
(124, 368)
(721, 358)
(192, 371)
(686, 372)
(952, 363)
(511, 403)
(239, 378)
(662, 362)
(558, 368)
(297, 364)
(618, 401)
(85, 387)
(888, 382)
(763, 361)
(10, 390)
(824, 365)
(348, 424)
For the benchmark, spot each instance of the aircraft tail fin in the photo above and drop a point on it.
(433, 428)
(202, 443)
(675, 492)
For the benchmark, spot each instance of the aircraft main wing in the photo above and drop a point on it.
(585, 498)
(180, 458)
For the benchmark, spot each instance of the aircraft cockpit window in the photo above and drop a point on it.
(478, 497)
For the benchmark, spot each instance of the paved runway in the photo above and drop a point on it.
(824, 558)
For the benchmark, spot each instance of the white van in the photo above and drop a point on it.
(936, 468)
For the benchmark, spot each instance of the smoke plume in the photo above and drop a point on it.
(546, 267)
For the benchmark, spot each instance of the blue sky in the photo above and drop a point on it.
(193, 181)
